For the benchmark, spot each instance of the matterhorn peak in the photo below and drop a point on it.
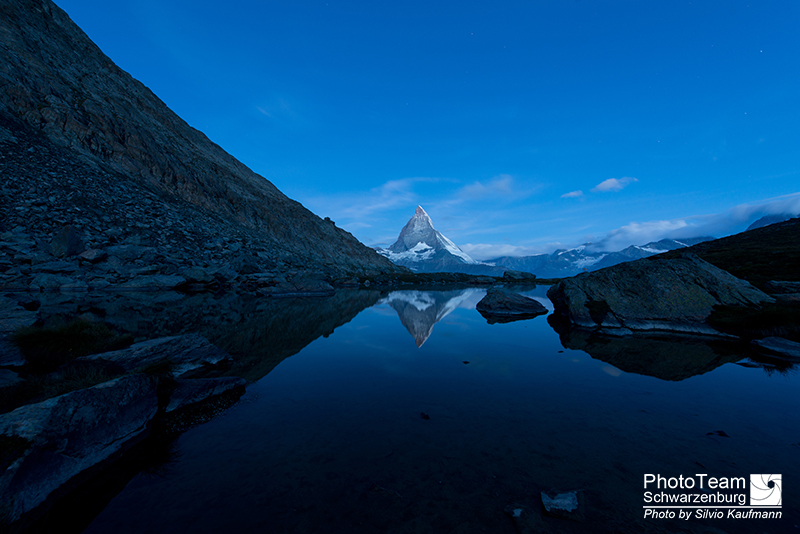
(418, 241)
(420, 218)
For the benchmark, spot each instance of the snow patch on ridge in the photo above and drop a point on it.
(453, 249)
(584, 263)
(654, 250)
(419, 252)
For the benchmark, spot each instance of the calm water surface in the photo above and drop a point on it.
(333, 440)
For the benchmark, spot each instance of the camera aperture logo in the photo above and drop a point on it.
(705, 497)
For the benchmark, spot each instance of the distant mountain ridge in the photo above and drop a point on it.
(569, 262)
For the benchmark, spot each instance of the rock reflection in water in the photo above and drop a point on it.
(420, 310)
(668, 357)
(258, 332)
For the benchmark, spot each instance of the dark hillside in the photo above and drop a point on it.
(758, 256)
(89, 146)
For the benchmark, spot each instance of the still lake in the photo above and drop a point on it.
(333, 438)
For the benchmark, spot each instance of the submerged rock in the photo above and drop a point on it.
(184, 353)
(68, 434)
(780, 287)
(193, 391)
(500, 305)
(565, 505)
(781, 346)
(673, 294)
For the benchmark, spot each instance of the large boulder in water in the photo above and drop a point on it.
(503, 306)
(673, 294)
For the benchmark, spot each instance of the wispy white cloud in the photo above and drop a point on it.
(282, 110)
(500, 185)
(613, 184)
(361, 204)
(484, 251)
(573, 194)
(637, 233)
(722, 224)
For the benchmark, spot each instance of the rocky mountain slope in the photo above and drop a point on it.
(422, 248)
(83, 144)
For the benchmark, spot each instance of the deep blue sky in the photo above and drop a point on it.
(519, 126)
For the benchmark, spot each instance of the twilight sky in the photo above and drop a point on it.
(520, 127)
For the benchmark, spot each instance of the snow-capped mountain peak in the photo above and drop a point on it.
(418, 229)
(421, 247)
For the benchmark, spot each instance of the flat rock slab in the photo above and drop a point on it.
(194, 391)
(68, 434)
(671, 294)
(784, 347)
(186, 353)
(778, 286)
(500, 305)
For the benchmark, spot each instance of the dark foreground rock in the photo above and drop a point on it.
(502, 306)
(672, 294)
(68, 434)
(184, 353)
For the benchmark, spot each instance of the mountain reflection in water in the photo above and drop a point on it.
(420, 310)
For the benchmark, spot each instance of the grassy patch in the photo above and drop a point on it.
(46, 349)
